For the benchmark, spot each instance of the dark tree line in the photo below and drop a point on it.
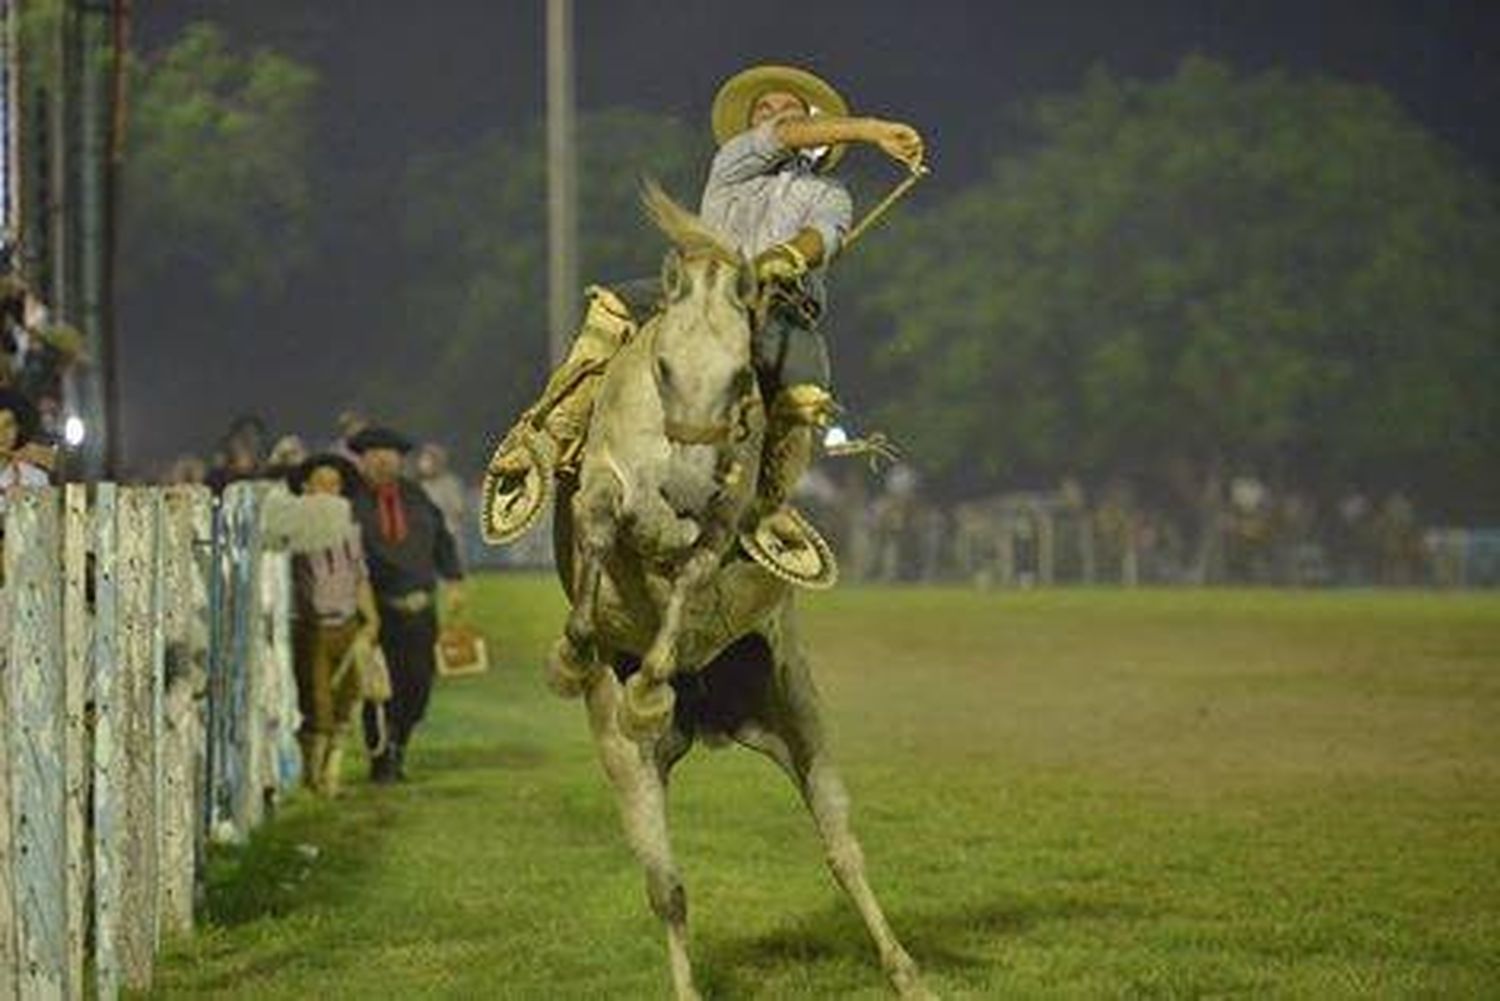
(1166, 280)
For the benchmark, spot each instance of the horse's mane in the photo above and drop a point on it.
(688, 233)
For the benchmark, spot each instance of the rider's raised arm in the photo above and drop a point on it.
(752, 153)
(897, 139)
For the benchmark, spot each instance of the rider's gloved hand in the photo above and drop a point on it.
(781, 263)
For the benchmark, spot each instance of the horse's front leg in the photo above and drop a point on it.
(639, 778)
(596, 518)
(646, 709)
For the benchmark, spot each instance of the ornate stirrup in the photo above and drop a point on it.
(805, 559)
(512, 502)
(783, 541)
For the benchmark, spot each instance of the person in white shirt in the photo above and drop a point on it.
(18, 423)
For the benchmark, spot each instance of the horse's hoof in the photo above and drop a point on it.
(658, 664)
(646, 708)
(905, 977)
(568, 674)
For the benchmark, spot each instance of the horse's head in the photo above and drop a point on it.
(702, 359)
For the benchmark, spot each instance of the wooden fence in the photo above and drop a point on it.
(146, 708)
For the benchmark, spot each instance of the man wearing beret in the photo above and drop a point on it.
(769, 191)
(409, 551)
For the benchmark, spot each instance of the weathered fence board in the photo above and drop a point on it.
(75, 630)
(108, 761)
(186, 528)
(282, 760)
(115, 623)
(9, 967)
(139, 517)
(37, 703)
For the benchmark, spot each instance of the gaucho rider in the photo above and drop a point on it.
(781, 130)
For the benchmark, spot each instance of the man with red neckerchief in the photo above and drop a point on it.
(409, 551)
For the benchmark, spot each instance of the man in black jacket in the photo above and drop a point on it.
(409, 550)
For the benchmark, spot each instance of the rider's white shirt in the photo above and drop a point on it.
(760, 193)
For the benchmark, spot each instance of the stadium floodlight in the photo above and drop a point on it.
(74, 431)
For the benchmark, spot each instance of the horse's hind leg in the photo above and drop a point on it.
(639, 781)
(789, 732)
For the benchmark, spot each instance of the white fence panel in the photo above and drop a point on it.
(146, 701)
(35, 712)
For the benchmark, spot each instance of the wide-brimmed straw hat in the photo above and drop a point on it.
(736, 98)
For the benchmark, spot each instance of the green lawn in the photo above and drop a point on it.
(1060, 794)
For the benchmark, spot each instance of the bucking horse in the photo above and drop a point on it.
(674, 634)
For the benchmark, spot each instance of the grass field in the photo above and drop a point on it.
(1061, 794)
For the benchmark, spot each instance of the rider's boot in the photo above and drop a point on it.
(562, 412)
(798, 414)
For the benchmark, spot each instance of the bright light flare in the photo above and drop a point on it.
(74, 431)
(835, 436)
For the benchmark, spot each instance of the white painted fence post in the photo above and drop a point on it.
(238, 721)
(35, 697)
(183, 733)
(9, 942)
(109, 735)
(75, 637)
(278, 710)
(140, 649)
(120, 802)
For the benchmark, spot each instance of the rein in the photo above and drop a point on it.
(683, 433)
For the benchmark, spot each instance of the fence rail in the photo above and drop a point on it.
(146, 708)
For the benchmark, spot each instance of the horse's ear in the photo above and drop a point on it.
(746, 287)
(673, 278)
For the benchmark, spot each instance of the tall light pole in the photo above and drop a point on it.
(562, 181)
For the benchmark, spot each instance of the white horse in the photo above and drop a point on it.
(675, 635)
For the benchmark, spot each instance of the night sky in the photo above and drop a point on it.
(400, 78)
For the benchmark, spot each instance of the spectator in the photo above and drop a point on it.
(350, 422)
(243, 456)
(409, 548)
(18, 423)
(286, 457)
(333, 609)
(443, 488)
(1399, 542)
(187, 469)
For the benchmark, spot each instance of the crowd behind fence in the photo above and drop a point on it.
(146, 708)
(1242, 534)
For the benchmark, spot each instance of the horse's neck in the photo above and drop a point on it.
(629, 400)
